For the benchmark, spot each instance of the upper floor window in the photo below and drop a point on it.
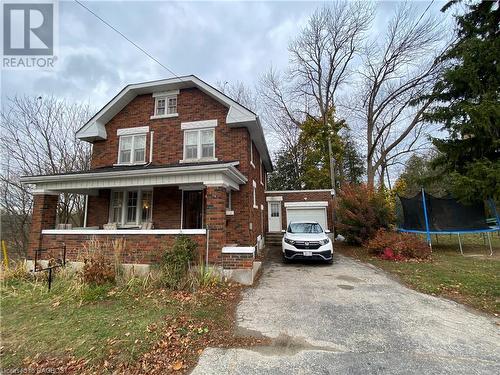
(132, 149)
(199, 140)
(165, 104)
(199, 144)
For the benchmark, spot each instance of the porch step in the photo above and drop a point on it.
(273, 238)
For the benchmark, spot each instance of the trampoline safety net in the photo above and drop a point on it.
(444, 214)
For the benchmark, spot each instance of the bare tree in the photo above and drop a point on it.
(321, 60)
(396, 70)
(38, 137)
(241, 93)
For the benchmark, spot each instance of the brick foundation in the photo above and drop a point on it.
(44, 217)
(237, 261)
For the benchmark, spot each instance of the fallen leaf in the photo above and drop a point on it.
(127, 334)
(177, 366)
(57, 303)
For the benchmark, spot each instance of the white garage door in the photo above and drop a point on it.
(307, 214)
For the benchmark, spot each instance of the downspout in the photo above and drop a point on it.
(150, 148)
(206, 253)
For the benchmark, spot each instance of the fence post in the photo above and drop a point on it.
(429, 240)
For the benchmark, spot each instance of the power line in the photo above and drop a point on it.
(127, 39)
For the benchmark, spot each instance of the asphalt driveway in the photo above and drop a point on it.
(351, 318)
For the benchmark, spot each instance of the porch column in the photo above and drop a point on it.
(215, 219)
(43, 217)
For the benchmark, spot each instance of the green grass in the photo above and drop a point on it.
(473, 279)
(93, 323)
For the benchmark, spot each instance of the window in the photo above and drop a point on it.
(199, 144)
(116, 207)
(275, 209)
(147, 201)
(131, 207)
(132, 149)
(251, 154)
(261, 173)
(254, 195)
(160, 106)
(228, 201)
(165, 104)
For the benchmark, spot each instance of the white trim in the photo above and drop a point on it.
(44, 192)
(229, 212)
(123, 231)
(238, 250)
(254, 196)
(199, 124)
(299, 191)
(306, 204)
(136, 130)
(151, 146)
(166, 115)
(274, 199)
(165, 93)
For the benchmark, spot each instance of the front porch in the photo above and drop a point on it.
(148, 208)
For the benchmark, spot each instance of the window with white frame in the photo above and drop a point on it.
(132, 149)
(254, 195)
(131, 207)
(199, 144)
(165, 104)
(251, 154)
(229, 203)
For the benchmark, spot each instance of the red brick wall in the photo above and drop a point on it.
(301, 196)
(237, 261)
(98, 209)
(44, 217)
(167, 201)
(139, 248)
(215, 219)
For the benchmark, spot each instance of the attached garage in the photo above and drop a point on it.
(307, 211)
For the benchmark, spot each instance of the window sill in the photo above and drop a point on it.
(155, 117)
(128, 164)
(252, 164)
(229, 213)
(197, 160)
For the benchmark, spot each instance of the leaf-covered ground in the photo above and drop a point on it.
(108, 329)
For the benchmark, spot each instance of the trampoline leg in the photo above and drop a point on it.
(489, 240)
(460, 244)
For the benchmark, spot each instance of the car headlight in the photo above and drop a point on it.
(324, 242)
(289, 241)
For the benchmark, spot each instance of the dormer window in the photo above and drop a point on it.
(165, 104)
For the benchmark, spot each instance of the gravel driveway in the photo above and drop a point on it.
(352, 318)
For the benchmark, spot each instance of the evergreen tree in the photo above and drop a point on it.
(467, 98)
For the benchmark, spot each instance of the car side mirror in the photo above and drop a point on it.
(327, 231)
(283, 231)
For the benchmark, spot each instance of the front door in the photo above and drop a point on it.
(192, 209)
(274, 216)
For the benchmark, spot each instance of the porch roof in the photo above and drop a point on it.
(212, 173)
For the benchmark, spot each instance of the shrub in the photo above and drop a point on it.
(176, 262)
(97, 269)
(361, 212)
(397, 246)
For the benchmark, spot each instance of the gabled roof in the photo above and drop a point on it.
(237, 116)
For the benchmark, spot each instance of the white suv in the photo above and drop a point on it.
(307, 240)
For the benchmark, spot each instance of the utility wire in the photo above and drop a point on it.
(127, 39)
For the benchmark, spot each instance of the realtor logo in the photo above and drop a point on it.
(28, 34)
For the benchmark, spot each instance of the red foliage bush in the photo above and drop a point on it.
(361, 211)
(397, 246)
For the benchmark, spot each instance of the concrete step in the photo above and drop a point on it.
(274, 238)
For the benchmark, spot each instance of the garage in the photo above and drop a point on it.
(307, 211)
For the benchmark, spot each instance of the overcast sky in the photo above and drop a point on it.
(218, 41)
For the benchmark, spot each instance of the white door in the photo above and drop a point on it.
(274, 215)
(317, 214)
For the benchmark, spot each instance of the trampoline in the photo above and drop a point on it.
(425, 214)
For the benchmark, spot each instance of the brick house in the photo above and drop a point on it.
(169, 157)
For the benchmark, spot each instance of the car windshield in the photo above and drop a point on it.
(304, 228)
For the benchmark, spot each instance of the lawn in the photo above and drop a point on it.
(78, 328)
(472, 279)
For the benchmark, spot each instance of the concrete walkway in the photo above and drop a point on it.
(351, 318)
